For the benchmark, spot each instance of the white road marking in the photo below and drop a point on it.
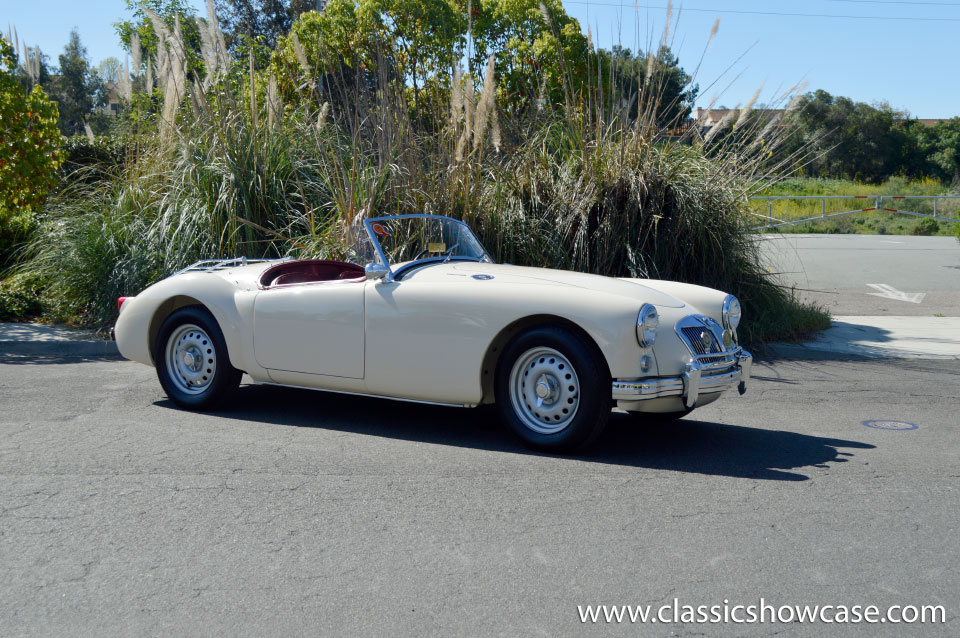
(889, 292)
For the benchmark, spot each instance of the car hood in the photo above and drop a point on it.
(506, 274)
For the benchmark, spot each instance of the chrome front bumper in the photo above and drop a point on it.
(704, 374)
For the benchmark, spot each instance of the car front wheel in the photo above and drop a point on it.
(553, 389)
(191, 360)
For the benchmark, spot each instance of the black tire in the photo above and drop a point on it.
(659, 418)
(196, 324)
(590, 403)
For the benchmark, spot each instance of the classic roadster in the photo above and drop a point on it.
(431, 318)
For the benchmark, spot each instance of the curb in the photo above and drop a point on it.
(60, 348)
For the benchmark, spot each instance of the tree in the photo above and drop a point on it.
(539, 50)
(939, 149)
(411, 41)
(267, 19)
(851, 139)
(78, 89)
(171, 12)
(109, 70)
(34, 69)
(29, 140)
(667, 90)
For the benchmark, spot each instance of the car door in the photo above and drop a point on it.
(316, 328)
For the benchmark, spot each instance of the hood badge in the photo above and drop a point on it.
(483, 277)
(707, 339)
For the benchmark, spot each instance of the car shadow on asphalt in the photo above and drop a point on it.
(686, 445)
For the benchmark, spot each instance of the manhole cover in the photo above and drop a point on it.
(890, 425)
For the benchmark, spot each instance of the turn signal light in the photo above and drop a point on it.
(120, 302)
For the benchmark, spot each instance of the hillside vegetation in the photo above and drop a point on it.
(870, 222)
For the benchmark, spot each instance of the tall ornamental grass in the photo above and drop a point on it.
(577, 185)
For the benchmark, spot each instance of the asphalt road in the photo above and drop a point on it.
(853, 274)
(299, 513)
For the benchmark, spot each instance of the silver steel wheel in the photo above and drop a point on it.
(191, 359)
(544, 390)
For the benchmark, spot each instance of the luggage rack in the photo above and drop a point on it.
(209, 265)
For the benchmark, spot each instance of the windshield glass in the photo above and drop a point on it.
(407, 238)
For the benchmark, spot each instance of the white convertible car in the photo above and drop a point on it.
(432, 318)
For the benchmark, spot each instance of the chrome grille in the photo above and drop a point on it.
(692, 337)
(689, 330)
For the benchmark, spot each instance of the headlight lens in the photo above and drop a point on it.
(647, 323)
(731, 312)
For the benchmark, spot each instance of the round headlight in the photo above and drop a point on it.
(647, 323)
(731, 312)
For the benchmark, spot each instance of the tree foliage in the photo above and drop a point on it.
(667, 85)
(353, 44)
(79, 89)
(540, 52)
(171, 12)
(29, 140)
(870, 143)
(265, 19)
(938, 148)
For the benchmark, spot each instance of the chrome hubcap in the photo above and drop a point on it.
(544, 390)
(191, 359)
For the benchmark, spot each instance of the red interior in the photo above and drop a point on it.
(310, 270)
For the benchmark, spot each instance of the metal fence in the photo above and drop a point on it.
(941, 207)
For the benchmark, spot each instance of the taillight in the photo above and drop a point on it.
(120, 302)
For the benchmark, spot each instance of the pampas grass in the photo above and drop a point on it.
(584, 189)
(274, 107)
(135, 50)
(486, 107)
(253, 93)
(172, 69)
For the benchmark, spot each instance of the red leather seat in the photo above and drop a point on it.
(294, 278)
(310, 270)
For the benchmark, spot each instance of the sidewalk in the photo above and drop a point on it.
(42, 339)
(886, 337)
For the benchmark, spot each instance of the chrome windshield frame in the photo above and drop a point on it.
(391, 274)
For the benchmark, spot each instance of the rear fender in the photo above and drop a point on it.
(141, 319)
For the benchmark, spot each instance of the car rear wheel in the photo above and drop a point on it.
(191, 360)
(553, 389)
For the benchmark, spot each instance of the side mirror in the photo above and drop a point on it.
(375, 270)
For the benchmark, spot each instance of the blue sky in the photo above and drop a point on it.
(904, 52)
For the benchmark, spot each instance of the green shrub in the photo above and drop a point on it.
(18, 302)
(16, 230)
(91, 249)
(926, 227)
(89, 161)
